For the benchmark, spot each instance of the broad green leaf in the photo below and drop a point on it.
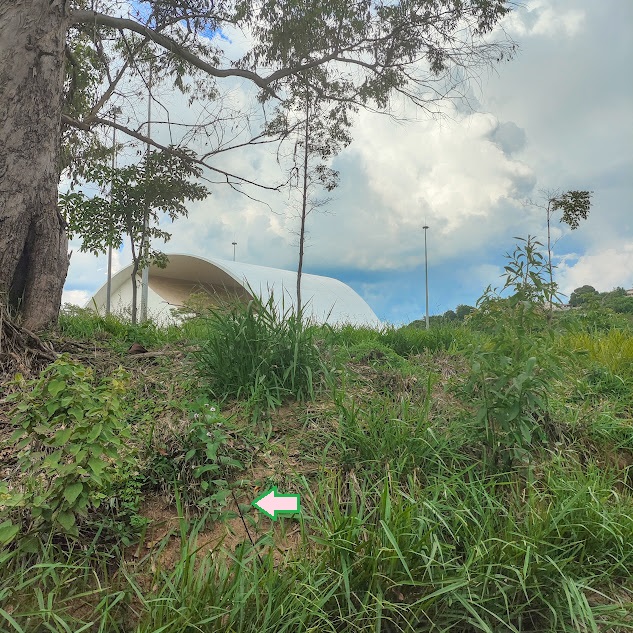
(73, 491)
(52, 407)
(56, 386)
(61, 437)
(96, 465)
(95, 432)
(66, 520)
(52, 460)
(77, 413)
(8, 530)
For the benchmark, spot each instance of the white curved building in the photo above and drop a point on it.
(325, 300)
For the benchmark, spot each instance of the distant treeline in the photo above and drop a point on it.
(616, 300)
(585, 297)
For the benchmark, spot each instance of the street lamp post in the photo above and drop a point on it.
(426, 277)
(234, 245)
(145, 245)
(116, 111)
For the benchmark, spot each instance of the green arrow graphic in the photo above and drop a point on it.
(271, 503)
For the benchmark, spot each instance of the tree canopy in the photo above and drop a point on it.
(67, 67)
(582, 295)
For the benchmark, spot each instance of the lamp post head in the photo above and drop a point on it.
(425, 227)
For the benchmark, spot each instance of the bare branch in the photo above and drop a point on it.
(87, 126)
(92, 17)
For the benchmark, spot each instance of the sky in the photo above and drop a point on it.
(558, 116)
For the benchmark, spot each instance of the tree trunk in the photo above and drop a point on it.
(549, 262)
(134, 294)
(33, 240)
(304, 203)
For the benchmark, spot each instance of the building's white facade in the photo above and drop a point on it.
(325, 300)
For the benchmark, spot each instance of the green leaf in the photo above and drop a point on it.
(52, 407)
(96, 465)
(61, 437)
(8, 531)
(56, 386)
(205, 469)
(77, 413)
(95, 432)
(52, 461)
(72, 492)
(66, 520)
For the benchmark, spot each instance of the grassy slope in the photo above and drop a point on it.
(402, 528)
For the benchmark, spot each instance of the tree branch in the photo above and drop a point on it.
(92, 17)
(87, 126)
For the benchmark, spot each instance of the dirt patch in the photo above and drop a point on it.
(163, 540)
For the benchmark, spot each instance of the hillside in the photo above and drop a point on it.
(468, 478)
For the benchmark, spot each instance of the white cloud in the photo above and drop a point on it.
(544, 18)
(76, 297)
(605, 270)
(452, 176)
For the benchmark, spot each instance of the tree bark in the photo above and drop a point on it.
(33, 240)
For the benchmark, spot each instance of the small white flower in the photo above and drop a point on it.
(212, 408)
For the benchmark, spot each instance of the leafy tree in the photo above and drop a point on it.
(450, 315)
(462, 311)
(622, 304)
(582, 295)
(139, 193)
(575, 206)
(65, 65)
(616, 292)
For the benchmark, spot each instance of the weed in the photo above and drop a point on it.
(70, 440)
(262, 354)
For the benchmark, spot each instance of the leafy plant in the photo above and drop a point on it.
(209, 456)
(138, 194)
(70, 436)
(510, 375)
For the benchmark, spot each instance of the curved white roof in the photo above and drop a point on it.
(325, 300)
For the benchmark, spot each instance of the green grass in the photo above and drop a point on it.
(82, 324)
(260, 353)
(405, 341)
(403, 528)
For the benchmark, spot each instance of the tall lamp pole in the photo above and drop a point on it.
(426, 276)
(234, 245)
(145, 245)
(109, 282)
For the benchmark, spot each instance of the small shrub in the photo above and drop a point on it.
(511, 374)
(70, 433)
